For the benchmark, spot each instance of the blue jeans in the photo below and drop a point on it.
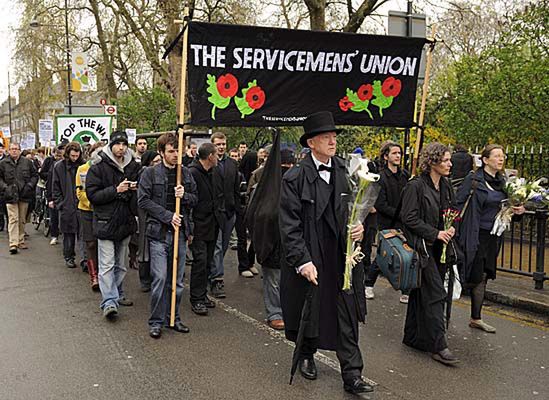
(271, 293)
(161, 261)
(217, 270)
(112, 258)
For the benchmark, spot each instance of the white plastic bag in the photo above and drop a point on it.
(456, 293)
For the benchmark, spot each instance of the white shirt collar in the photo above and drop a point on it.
(318, 163)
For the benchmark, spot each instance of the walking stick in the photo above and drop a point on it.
(420, 129)
(180, 133)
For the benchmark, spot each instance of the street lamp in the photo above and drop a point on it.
(35, 24)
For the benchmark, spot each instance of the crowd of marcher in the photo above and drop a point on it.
(116, 208)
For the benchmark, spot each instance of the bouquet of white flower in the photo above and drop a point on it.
(519, 191)
(363, 199)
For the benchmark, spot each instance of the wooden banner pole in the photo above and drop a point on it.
(180, 150)
(419, 138)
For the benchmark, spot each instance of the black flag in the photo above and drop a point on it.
(262, 212)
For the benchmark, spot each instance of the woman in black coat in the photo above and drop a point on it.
(423, 201)
(482, 193)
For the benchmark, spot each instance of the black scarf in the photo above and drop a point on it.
(496, 182)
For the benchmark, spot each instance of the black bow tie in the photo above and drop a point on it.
(323, 167)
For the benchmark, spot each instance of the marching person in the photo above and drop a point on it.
(140, 148)
(157, 195)
(149, 159)
(18, 179)
(85, 212)
(392, 180)
(423, 201)
(313, 225)
(227, 169)
(111, 187)
(190, 154)
(3, 211)
(208, 216)
(65, 200)
(46, 173)
(481, 195)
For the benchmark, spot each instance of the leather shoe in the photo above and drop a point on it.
(445, 357)
(179, 327)
(276, 324)
(307, 368)
(13, 250)
(199, 309)
(209, 303)
(357, 385)
(155, 332)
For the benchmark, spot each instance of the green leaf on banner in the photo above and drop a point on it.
(359, 105)
(380, 100)
(241, 102)
(216, 99)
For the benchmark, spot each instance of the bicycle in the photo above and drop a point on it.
(41, 214)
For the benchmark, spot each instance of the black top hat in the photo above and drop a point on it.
(317, 123)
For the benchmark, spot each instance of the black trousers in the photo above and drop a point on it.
(145, 274)
(203, 252)
(54, 222)
(347, 350)
(242, 241)
(69, 243)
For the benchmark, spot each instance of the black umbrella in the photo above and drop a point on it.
(303, 326)
(451, 278)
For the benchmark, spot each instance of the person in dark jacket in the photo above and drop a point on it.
(481, 195)
(149, 159)
(65, 200)
(157, 193)
(313, 227)
(3, 211)
(462, 164)
(111, 187)
(392, 180)
(208, 216)
(46, 174)
(423, 201)
(18, 179)
(227, 171)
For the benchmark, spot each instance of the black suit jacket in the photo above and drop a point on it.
(208, 214)
(231, 185)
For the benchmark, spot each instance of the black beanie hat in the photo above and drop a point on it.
(118, 137)
(287, 156)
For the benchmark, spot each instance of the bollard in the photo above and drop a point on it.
(539, 275)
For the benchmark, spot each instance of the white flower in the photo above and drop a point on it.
(367, 176)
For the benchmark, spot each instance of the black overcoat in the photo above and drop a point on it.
(301, 209)
(64, 194)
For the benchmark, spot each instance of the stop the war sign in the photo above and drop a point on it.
(84, 129)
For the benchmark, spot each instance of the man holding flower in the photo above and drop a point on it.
(313, 224)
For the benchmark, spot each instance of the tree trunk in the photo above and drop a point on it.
(108, 66)
(317, 14)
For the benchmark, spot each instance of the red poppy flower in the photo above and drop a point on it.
(345, 104)
(227, 85)
(365, 92)
(255, 97)
(391, 87)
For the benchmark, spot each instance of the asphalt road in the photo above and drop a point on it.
(54, 344)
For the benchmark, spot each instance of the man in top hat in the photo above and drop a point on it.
(313, 226)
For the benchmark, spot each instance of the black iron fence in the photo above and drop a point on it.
(529, 160)
(524, 246)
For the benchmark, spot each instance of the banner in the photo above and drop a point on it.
(132, 135)
(28, 141)
(45, 131)
(84, 129)
(80, 74)
(6, 132)
(256, 76)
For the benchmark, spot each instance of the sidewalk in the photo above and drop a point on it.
(518, 292)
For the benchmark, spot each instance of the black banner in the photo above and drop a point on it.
(256, 76)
